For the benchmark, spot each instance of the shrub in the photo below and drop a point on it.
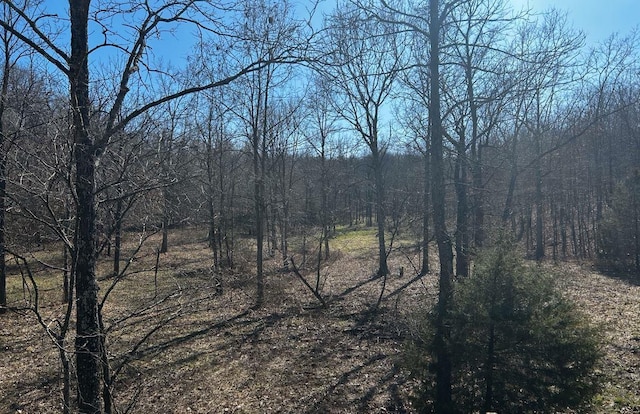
(516, 344)
(619, 230)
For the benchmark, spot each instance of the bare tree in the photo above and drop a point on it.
(550, 55)
(267, 31)
(609, 72)
(169, 139)
(323, 123)
(363, 68)
(474, 60)
(426, 21)
(13, 51)
(284, 143)
(414, 117)
(220, 171)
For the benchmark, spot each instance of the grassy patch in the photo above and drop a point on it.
(355, 240)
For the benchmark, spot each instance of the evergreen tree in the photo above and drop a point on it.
(516, 344)
(619, 235)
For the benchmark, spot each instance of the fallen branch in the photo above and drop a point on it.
(314, 291)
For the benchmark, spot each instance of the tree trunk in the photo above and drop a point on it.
(507, 212)
(368, 209)
(271, 219)
(383, 269)
(87, 339)
(259, 212)
(3, 176)
(211, 236)
(476, 161)
(325, 203)
(462, 213)
(284, 238)
(117, 234)
(66, 282)
(87, 344)
(212, 240)
(66, 377)
(443, 401)
(229, 229)
(259, 146)
(539, 254)
(478, 196)
(164, 245)
(574, 234)
(425, 215)
(166, 148)
(563, 231)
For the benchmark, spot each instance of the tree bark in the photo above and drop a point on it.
(324, 196)
(259, 216)
(259, 146)
(6, 69)
(507, 212)
(3, 178)
(539, 253)
(443, 401)
(117, 234)
(164, 244)
(425, 215)
(462, 212)
(476, 162)
(87, 344)
(381, 217)
(212, 239)
(66, 282)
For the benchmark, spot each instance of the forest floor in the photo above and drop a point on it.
(182, 340)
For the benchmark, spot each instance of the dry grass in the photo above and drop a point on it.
(212, 352)
(613, 304)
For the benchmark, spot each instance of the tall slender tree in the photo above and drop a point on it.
(427, 21)
(443, 403)
(12, 51)
(365, 62)
(322, 125)
(551, 56)
(475, 59)
(268, 30)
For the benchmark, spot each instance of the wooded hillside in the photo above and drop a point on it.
(277, 129)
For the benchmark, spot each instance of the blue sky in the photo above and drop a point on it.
(597, 18)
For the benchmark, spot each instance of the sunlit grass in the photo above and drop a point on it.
(355, 240)
(21, 291)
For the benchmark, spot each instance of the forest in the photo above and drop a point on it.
(258, 206)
